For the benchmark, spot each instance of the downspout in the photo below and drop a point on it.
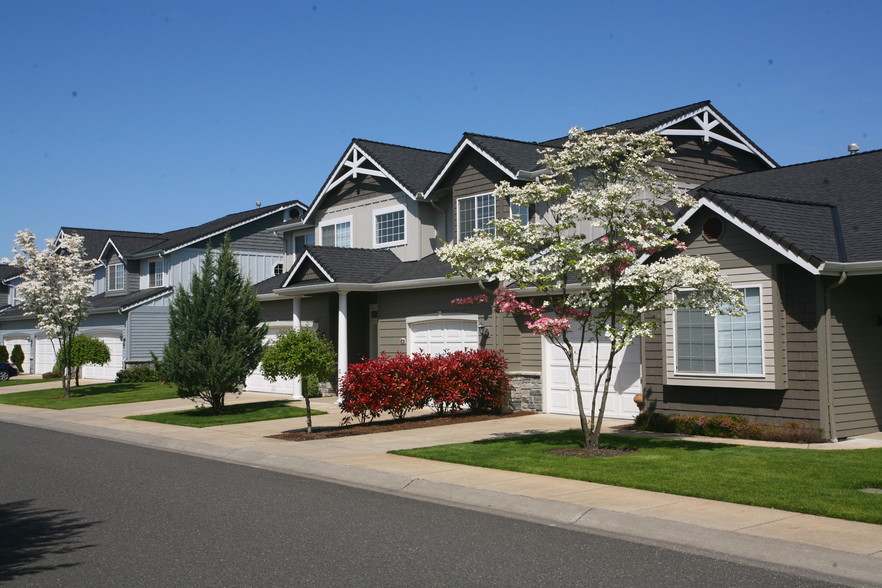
(828, 351)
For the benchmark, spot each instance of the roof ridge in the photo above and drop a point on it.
(850, 155)
(536, 143)
(399, 146)
(769, 198)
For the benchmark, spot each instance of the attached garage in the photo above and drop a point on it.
(560, 390)
(257, 383)
(107, 371)
(437, 335)
(25, 342)
(45, 354)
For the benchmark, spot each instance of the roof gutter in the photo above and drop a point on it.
(828, 352)
(532, 175)
(852, 267)
(328, 287)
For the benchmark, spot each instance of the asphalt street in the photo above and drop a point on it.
(77, 511)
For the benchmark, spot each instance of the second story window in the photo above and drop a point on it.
(154, 274)
(115, 276)
(475, 212)
(301, 241)
(337, 234)
(389, 227)
(521, 212)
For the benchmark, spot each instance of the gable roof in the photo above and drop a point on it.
(409, 168)
(824, 215)
(94, 240)
(101, 303)
(9, 271)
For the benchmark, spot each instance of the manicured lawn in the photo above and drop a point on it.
(93, 395)
(236, 413)
(823, 483)
(22, 381)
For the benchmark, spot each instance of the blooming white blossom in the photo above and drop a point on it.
(57, 282)
(614, 181)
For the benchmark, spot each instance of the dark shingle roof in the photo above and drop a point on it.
(825, 210)
(414, 168)
(8, 271)
(100, 302)
(514, 155)
(427, 267)
(95, 239)
(640, 124)
(352, 265)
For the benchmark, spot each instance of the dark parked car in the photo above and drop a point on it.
(7, 370)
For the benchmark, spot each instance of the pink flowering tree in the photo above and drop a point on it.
(57, 284)
(600, 257)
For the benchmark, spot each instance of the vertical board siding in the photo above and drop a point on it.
(856, 339)
(148, 331)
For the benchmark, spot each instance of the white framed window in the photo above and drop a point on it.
(722, 345)
(155, 274)
(115, 276)
(475, 213)
(521, 213)
(389, 227)
(301, 241)
(337, 232)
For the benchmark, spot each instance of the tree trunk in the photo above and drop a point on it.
(598, 423)
(583, 420)
(308, 414)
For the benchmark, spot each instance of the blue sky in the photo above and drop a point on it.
(153, 116)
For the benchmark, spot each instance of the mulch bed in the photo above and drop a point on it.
(418, 422)
(591, 452)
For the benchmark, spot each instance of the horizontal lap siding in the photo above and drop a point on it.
(696, 162)
(856, 345)
(148, 332)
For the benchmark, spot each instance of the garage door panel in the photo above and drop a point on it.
(255, 382)
(624, 384)
(11, 342)
(107, 371)
(45, 354)
(438, 336)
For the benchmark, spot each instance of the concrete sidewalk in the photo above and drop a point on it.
(844, 550)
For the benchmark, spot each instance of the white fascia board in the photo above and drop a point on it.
(455, 156)
(751, 147)
(286, 292)
(330, 182)
(109, 243)
(226, 229)
(852, 268)
(772, 244)
(145, 301)
(303, 257)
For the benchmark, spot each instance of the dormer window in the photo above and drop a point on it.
(475, 213)
(155, 274)
(115, 276)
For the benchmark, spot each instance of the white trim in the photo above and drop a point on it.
(717, 375)
(303, 257)
(115, 248)
(467, 143)
(339, 220)
(286, 291)
(704, 202)
(474, 197)
(705, 131)
(107, 277)
(390, 210)
(160, 264)
(428, 318)
(123, 309)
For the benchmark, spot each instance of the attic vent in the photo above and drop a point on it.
(278, 269)
(713, 229)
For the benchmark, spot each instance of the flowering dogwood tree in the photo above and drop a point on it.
(57, 284)
(600, 208)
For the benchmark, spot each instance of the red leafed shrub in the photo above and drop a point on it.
(400, 383)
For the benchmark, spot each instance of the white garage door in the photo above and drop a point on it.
(45, 354)
(438, 336)
(257, 383)
(561, 390)
(108, 370)
(11, 342)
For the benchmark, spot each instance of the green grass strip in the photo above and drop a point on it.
(825, 483)
(92, 395)
(23, 381)
(248, 412)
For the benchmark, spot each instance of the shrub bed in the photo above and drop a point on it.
(400, 383)
(733, 427)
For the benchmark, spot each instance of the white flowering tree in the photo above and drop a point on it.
(602, 255)
(57, 284)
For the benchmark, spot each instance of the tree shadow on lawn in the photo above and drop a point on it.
(96, 389)
(31, 535)
(573, 437)
(244, 408)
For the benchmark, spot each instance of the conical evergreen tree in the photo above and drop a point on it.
(215, 332)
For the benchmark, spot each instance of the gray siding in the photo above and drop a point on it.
(856, 337)
(148, 331)
(255, 236)
(470, 176)
(696, 162)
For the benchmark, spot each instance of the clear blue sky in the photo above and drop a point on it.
(157, 115)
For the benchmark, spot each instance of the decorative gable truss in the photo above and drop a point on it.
(356, 162)
(709, 125)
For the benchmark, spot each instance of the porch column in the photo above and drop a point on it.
(295, 324)
(342, 339)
